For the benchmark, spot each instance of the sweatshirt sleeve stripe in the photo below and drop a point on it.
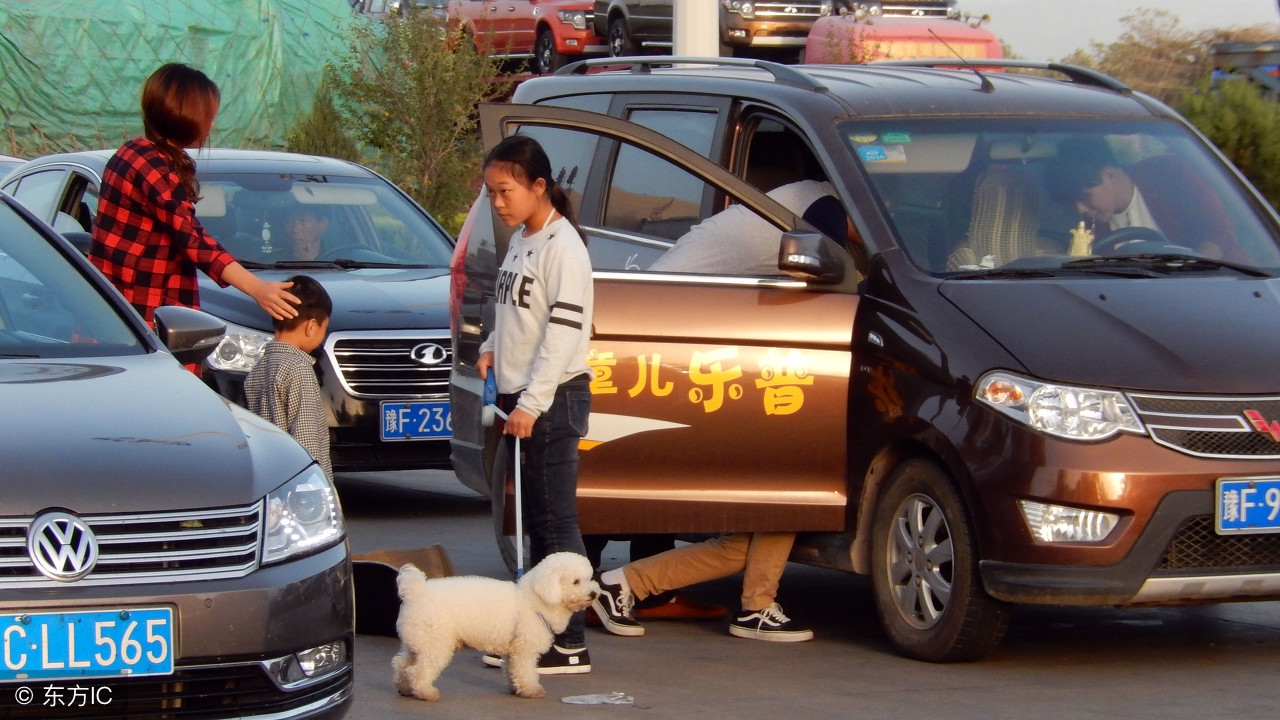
(576, 325)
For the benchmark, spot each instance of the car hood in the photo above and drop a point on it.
(363, 299)
(1185, 335)
(134, 434)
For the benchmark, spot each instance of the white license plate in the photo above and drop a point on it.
(416, 420)
(98, 644)
(1250, 506)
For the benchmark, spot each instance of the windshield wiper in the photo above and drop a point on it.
(1002, 274)
(352, 264)
(1166, 262)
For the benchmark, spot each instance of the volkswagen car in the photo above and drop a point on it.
(163, 552)
(384, 368)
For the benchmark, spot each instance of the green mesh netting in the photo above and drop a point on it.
(72, 72)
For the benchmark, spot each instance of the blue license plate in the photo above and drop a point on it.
(1248, 506)
(73, 645)
(416, 420)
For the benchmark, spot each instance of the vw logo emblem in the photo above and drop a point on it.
(62, 546)
(429, 354)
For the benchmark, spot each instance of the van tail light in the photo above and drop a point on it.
(458, 268)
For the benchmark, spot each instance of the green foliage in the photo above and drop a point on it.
(1157, 56)
(408, 88)
(1245, 125)
(321, 131)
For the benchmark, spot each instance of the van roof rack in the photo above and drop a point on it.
(1075, 73)
(784, 74)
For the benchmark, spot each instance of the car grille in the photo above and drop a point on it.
(1197, 547)
(383, 366)
(787, 11)
(239, 690)
(1211, 427)
(914, 9)
(147, 548)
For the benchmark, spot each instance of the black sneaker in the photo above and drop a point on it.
(564, 661)
(768, 624)
(556, 661)
(613, 607)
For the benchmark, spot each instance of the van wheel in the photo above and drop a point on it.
(620, 43)
(546, 58)
(498, 510)
(924, 570)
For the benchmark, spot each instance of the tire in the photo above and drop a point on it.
(546, 58)
(924, 570)
(620, 42)
(498, 511)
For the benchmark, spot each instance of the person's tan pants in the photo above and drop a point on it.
(761, 557)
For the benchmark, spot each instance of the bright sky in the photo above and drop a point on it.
(1053, 29)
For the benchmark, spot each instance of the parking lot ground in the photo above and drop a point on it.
(1185, 662)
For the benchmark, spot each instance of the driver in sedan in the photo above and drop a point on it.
(1160, 193)
(306, 232)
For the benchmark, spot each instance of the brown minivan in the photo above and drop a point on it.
(1044, 370)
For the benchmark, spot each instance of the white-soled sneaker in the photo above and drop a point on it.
(564, 661)
(768, 624)
(556, 661)
(613, 607)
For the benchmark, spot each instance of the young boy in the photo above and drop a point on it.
(282, 387)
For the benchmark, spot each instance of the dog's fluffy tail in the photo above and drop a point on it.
(409, 573)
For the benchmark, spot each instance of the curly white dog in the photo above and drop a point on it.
(516, 619)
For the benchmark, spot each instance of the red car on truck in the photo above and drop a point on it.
(547, 32)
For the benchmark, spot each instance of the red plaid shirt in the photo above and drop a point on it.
(147, 240)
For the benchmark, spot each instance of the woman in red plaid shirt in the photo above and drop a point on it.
(146, 239)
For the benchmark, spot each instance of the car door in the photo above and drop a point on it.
(491, 23)
(651, 21)
(719, 401)
(65, 195)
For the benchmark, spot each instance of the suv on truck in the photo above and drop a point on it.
(546, 32)
(980, 400)
(630, 26)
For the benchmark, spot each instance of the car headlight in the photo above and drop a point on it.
(302, 515)
(576, 18)
(827, 8)
(1074, 413)
(239, 350)
(745, 8)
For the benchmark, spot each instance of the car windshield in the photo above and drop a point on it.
(48, 309)
(1027, 197)
(281, 220)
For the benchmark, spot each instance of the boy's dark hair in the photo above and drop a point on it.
(313, 302)
(1078, 166)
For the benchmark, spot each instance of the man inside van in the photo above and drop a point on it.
(1161, 192)
(736, 241)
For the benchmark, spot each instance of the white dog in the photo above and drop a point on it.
(516, 619)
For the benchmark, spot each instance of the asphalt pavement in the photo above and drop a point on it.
(1186, 662)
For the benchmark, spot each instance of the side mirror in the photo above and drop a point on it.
(808, 256)
(191, 335)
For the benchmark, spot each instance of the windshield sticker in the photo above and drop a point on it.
(863, 139)
(882, 153)
(896, 138)
(717, 378)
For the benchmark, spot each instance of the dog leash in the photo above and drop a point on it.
(491, 401)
